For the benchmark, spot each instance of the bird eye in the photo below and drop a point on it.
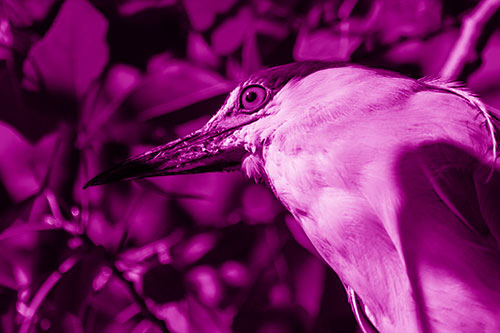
(253, 97)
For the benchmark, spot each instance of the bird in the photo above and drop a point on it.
(393, 180)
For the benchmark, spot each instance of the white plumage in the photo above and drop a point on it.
(393, 180)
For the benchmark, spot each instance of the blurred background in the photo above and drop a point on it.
(87, 83)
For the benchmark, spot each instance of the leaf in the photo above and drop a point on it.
(47, 159)
(217, 189)
(163, 284)
(195, 248)
(259, 205)
(250, 54)
(172, 85)
(202, 13)
(120, 80)
(485, 81)
(15, 169)
(398, 19)
(72, 54)
(25, 167)
(299, 235)
(200, 52)
(21, 229)
(206, 285)
(323, 44)
(11, 212)
(104, 98)
(147, 220)
(23, 13)
(309, 280)
(235, 274)
(6, 38)
(65, 291)
(31, 115)
(102, 232)
(229, 36)
(7, 267)
(131, 7)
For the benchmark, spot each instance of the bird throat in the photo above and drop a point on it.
(253, 166)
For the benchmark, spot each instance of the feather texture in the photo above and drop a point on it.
(384, 174)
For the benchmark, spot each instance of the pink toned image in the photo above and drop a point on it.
(249, 166)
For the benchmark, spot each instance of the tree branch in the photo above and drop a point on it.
(470, 33)
(130, 286)
(72, 228)
(44, 290)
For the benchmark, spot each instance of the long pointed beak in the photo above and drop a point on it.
(202, 151)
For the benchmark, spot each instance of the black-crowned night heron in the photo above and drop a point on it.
(392, 179)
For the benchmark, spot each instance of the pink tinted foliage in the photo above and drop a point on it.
(229, 36)
(15, 171)
(6, 38)
(85, 84)
(202, 14)
(26, 12)
(159, 93)
(132, 7)
(259, 205)
(72, 54)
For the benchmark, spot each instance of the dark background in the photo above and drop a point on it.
(85, 84)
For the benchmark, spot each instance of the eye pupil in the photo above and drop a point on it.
(251, 96)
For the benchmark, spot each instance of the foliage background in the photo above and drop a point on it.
(87, 83)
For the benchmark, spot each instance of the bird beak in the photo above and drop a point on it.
(208, 149)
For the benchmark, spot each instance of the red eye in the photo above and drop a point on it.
(253, 97)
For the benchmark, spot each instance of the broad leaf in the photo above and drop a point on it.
(131, 7)
(323, 44)
(202, 13)
(172, 85)
(25, 12)
(72, 54)
(16, 173)
(230, 35)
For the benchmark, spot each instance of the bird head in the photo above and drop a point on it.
(373, 165)
(244, 123)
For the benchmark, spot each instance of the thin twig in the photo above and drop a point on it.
(44, 290)
(139, 300)
(20, 230)
(110, 257)
(470, 32)
(70, 262)
(84, 195)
